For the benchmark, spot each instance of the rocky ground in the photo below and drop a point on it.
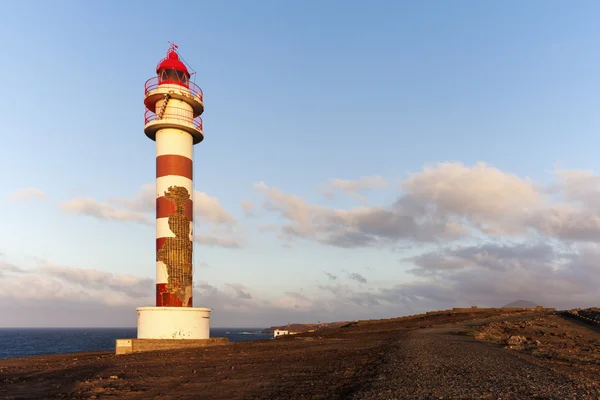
(438, 363)
(488, 354)
(588, 314)
(560, 342)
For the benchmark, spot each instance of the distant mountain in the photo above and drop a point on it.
(521, 304)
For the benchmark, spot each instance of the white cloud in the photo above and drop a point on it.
(247, 208)
(478, 191)
(96, 209)
(206, 207)
(486, 237)
(449, 202)
(330, 276)
(144, 201)
(488, 199)
(27, 194)
(489, 274)
(353, 188)
(579, 187)
(127, 285)
(240, 291)
(219, 241)
(84, 297)
(490, 237)
(210, 209)
(6, 267)
(356, 227)
(140, 208)
(268, 228)
(50, 282)
(364, 182)
(357, 277)
(494, 274)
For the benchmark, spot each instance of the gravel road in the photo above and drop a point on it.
(437, 364)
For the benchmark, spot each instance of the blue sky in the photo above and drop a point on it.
(298, 95)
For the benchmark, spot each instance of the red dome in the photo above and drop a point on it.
(171, 61)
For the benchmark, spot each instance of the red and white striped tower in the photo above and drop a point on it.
(172, 119)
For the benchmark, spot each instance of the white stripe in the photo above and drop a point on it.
(179, 105)
(163, 230)
(174, 141)
(162, 276)
(163, 183)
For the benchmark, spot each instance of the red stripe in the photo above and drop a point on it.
(160, 242)
(166, 299)
(172, 164)
(166, 207)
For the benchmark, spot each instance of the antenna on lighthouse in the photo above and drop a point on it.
(172, 46)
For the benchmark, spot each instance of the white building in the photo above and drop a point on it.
(280, 332)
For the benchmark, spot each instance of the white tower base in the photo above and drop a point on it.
(173, 323)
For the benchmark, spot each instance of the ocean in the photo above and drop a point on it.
(23, 342)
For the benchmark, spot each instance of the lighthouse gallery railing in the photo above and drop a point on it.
(174, 113)
(152, 84)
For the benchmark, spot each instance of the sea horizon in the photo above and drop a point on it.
(36, 341)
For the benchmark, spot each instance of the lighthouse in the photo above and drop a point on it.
(172, 120)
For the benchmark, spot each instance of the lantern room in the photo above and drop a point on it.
(173, 78)
(172, 100)
(170, 70)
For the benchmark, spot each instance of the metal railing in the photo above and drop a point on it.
(152, 84)
(174, 113)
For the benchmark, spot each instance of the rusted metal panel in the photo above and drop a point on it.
(176, 253)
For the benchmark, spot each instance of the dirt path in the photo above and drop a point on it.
(440, 364)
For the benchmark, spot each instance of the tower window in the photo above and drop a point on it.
(173, 75)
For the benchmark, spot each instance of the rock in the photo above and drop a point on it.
(515, 340)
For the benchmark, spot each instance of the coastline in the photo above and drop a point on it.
(336, 363)
(26, 342)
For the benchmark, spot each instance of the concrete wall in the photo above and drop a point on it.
(126, 346)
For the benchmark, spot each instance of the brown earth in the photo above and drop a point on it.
(589, 314)
(419, 357)
(560, 341)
